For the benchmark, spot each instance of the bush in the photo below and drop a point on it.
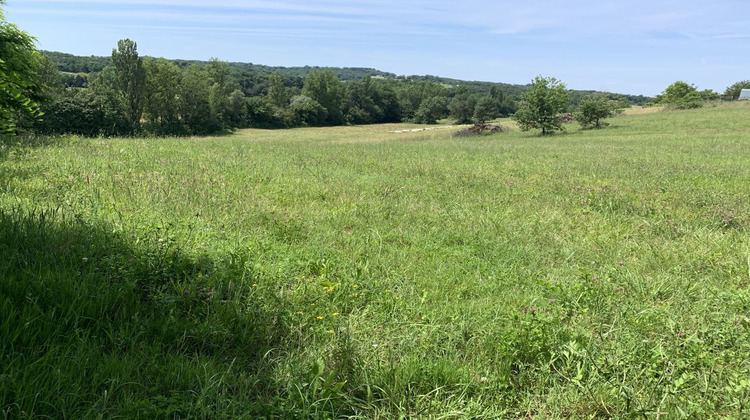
(593, 109)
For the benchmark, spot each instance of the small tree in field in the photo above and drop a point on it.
(540, 106)
(594, 108)
(681, 95)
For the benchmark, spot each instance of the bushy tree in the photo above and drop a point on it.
(162, 97)
(540, 105)
(82, 111)
(361, 102)
(195, 106)
(680, 95)
(326, 89)
(411, 94)
(278, 94)
(130, 79)
(594, 108)
(307, 111)
(737, 87)
(20, 88)
(431, 110)
(485, 109)
(462, 106)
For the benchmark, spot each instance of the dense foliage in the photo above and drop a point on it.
(681, 95)
(180, 97)
(20, 88)
(595, 108)
(541, 105)
(737, 87)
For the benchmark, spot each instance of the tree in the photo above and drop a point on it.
(278, 94)
(677, 91)
(540, 105)
(594, 108)
(486, 109)
(681, 95)
(431, 110)
(195, 107)
(20, 88)
(361, 96)
(462, 106)
(82, 111)
(162, 88)
(307, 111)
(326, 89)
(737, 87)
(130, 79)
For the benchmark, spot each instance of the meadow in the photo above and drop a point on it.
(352, 272)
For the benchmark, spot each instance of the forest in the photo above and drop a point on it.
(128, 94)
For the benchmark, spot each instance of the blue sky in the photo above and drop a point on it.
(636, 47)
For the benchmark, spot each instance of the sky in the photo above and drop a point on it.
(635, 47)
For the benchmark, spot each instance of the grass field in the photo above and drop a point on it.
(353, 272)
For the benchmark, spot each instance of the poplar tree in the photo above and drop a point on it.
(130, 80)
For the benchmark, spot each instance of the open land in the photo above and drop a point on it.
(355, 272)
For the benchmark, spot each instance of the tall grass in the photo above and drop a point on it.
(354, 272)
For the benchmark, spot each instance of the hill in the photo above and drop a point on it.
(69, 63)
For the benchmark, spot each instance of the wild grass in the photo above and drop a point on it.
(353, 272)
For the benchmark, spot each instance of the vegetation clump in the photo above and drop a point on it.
(593, 109)
(540, 106)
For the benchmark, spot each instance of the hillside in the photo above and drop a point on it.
(69, 63)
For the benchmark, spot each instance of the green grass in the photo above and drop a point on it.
(354, 272)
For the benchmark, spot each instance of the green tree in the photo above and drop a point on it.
(130, 80)
(681, 95)
(540, 105)
(737, 87)
(278, 94)
(676, 92)
(594, 108)
(462, 106)
(485, 109)
(195, 107)
(411, 94)
(237, 112)
(431, 110)
(307, 110)
(162, 92)
(20, 88)
(326, 89)
(361, 97)
(82, 111)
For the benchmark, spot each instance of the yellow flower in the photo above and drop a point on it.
(320, 317)
(255, 284)
(300, 313)
(330, 331)
(355, 286)
(335, 314)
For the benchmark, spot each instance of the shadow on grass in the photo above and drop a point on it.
(94, 324)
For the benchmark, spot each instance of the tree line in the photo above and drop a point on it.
(127, 94)
(130, 94)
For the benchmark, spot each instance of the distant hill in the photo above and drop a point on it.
(70, 63)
